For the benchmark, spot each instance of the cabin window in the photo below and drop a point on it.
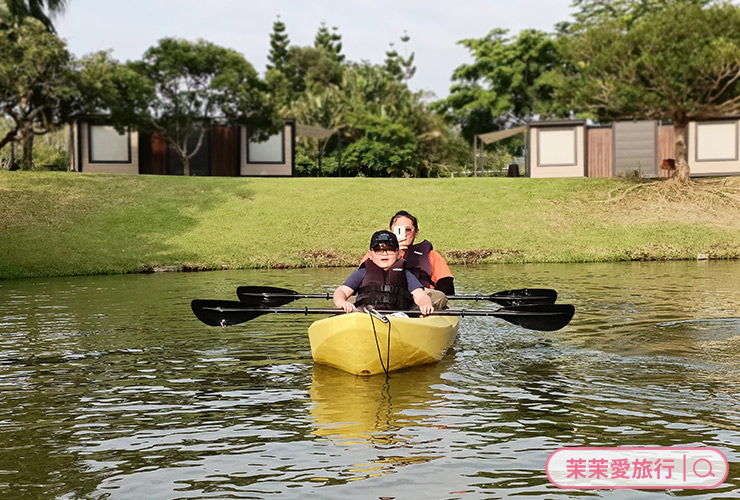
(108, 146)
(271, 150)
(716, 141)
(556, 147)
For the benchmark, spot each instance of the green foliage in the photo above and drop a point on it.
(390, 130)
(307, 162)
(398, 66)
(16, 11)
(331, 42)
(50, 151)
(117, 91)
(37, 89)
(197, 85)
(279, 43)
(384, 128)
(510, 82)
(382, 152)
(678, 63)
(624, 12)
(312, 69)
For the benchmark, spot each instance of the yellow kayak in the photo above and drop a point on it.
(357, 343)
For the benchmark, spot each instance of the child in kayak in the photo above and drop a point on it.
(429, 267)
(382, 281)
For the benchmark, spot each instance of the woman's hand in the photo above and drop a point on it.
(426, 310)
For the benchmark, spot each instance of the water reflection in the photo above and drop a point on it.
(109, 388)
(377, 412)
(347, 408)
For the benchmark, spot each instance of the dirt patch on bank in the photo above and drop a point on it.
(328, 258)
(713, 201)
(468, 257)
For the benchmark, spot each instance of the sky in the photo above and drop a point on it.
(127, 28)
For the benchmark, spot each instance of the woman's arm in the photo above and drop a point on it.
(446, 285)
(422, 300)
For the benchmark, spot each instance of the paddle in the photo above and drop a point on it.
(270, 296)
(546, 317)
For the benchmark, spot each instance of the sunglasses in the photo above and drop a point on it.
(382, 250)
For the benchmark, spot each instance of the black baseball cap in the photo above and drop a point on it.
(384, 238)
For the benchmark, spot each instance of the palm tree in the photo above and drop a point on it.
(44, 10)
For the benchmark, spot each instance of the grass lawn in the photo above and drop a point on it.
(59, 223)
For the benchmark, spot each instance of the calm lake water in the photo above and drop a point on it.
(111, 389)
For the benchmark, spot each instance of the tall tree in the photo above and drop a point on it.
(37, 97)
(510, 82)
(400, 66)
(389, 129)
(624, 12)
(680, 63)
(279, 43)
(15, 11)
(312, 69)
(117, 91)
(198, 85)
(331, 41)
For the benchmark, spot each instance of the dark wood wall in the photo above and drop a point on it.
(220, 153)
(153, 154)
(224, 151)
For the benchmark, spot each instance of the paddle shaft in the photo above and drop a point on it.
(329, 296)
(268, 296)
(318, 310)
(536, 317)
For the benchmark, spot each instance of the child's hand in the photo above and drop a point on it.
(347, 306)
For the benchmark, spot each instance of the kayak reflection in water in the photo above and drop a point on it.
(426, 264)
(383, 281)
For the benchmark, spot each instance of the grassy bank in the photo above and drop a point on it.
(65, 224)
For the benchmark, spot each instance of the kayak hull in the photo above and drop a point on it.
(356, 342)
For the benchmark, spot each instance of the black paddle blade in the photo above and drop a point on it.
(265, 295)
(524, 296)
(223, 312)
(546, 318)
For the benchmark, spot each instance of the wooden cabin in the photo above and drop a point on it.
(645, 148)
(226, 151)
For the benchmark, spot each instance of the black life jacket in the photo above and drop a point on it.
(418, 263)
(386, 290)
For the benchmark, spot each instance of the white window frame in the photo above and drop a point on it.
(719, 143)
(554, 136)
(124, 150)
(259, 152)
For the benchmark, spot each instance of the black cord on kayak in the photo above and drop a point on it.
(377, 345)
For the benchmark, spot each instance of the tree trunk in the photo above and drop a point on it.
(682, 164)
(28, 150)
(187, 156)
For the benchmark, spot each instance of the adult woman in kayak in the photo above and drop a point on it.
(429, 267)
